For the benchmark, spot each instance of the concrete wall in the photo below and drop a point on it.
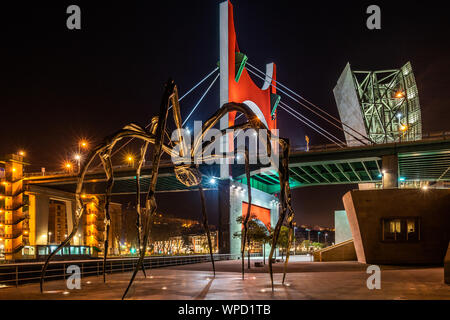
(230, 207)
(342, 227)
(42, 197)
(366, 209)
(344, 251)
(447, 266)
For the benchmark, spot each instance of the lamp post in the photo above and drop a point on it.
(318, 236)
(82, 144)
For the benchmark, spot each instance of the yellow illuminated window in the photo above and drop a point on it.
(395, 226)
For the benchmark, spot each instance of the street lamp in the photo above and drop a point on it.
(318, 236)
(129, 158)
(77, 157)
(68, 166)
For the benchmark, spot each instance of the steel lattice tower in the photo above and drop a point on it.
(384, 104)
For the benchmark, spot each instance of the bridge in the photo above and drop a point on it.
(427, 159)
(379, 118)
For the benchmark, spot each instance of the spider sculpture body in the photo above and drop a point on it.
(188, 174)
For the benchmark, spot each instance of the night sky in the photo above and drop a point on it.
(59, 85)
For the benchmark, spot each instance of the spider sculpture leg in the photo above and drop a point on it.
(151, 201)
(290, 219)
(206, 226)
(63, 244)
(247, 216)
(138, 199)
(107, 165)
(283, 173)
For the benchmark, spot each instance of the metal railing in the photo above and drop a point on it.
(21, 273)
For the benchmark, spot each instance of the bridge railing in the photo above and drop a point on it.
(21, 273)
(442, 135)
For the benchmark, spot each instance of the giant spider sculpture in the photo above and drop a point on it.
(187, 174)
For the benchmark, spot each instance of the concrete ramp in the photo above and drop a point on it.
(344, 251)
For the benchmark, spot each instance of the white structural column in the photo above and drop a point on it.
(224, 170)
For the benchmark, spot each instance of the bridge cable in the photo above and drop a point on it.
(315, 106)
(303, 115)
(185, 95)
(339, 141)
(200, 100)
(319, 130)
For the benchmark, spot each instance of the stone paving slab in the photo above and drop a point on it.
(306, 281)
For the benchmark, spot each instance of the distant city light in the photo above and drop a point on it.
(402, 179)
(212, 181)
(77, 157)
(399, 115)
(425, 188)
(68, 165)
(22, 153)
(188, 131)
(403, 128)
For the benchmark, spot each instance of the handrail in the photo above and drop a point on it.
(21, 273)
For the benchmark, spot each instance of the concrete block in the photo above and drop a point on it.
(447, 266)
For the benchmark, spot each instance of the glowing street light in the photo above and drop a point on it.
(21, 153)
(83, 144)
(68, 166)
(399, 94)
(403, 127)
(130, 159)
(212, 180)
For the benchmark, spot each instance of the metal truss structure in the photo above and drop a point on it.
(389, 102)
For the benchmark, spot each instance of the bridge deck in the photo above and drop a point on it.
(420, 160)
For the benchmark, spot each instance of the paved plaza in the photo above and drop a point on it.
(305, 281)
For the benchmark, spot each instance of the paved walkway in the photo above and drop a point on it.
(306, 280)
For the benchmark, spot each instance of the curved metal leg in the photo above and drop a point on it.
(107, 164)
(247, 216)
(150, 212)
(291, 233)
(151, 201)
(138, 201)
(206, 226)
(63, 244)
(283, 173)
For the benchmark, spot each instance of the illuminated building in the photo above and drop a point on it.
(15, 231)
(35, 219)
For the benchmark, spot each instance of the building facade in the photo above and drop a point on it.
(34, 219)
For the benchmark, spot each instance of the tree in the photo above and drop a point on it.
(283, 239)
(257, 233)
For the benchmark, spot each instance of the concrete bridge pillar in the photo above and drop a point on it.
(390, 171)
(233, 201)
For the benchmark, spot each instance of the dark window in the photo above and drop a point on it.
(401, 229)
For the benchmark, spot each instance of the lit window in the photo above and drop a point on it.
(401, 229)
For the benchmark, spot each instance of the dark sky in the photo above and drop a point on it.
(58, 85)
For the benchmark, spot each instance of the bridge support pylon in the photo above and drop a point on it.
(233, 202)
(390, 171)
